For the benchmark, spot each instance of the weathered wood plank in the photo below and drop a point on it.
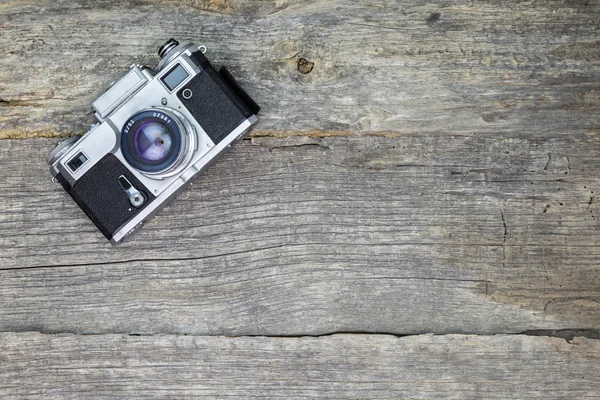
(411, 234)
(38, 366)
(480, 67)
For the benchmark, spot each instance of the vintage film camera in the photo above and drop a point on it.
(156, 131)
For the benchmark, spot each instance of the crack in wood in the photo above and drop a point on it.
(568, 334)
(548, 162)
(503, 238)
(301, 145)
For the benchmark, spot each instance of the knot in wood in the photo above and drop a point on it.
(305, 66)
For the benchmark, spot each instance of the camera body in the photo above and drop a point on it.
(156, 131)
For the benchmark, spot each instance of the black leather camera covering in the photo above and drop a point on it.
(218, 103)
(101, 197)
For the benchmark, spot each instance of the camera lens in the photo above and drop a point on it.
(159, 142)
(152, 141)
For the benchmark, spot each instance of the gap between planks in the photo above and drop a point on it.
(567, 334)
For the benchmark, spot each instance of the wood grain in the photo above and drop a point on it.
(417, 167)
(35, 366)
(519, 69)
(421, 233)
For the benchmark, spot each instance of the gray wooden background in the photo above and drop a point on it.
(416, 214)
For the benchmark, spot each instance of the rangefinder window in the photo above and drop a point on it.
(174, 77)
(76, 162)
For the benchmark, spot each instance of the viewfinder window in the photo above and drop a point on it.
(174, 77)
(77, 161)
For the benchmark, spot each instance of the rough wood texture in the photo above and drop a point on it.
(417, 167)
(341, 366)
(308, 236)
(526, 68)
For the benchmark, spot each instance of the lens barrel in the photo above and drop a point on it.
(158, 142)
(151, 141)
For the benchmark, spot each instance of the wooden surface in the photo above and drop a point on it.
(520, 69)
(339, 366)
(311, 236)
(417, 168)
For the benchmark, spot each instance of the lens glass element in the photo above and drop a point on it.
(152, 141)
